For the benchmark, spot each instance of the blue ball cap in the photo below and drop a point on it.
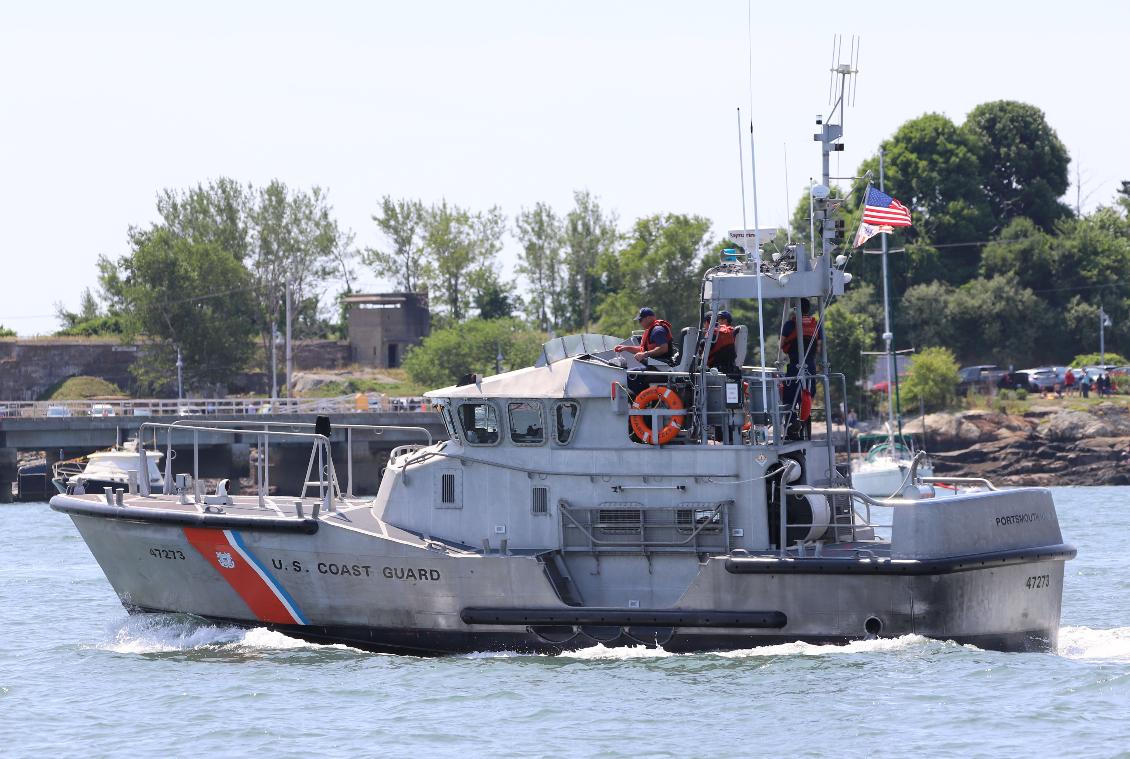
(725, 315)
(645, 311)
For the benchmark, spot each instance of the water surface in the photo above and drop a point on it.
(78, 677)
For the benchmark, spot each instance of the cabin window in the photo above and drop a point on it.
(526, 426)
(479, 422)
(540, 501)
(448, 422)
(565, 415)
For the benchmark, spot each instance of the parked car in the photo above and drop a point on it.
(58, 411)
(982, 375)
(1015, 380)
(101, 409)
(1045, 378)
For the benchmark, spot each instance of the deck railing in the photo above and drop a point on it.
(320, 471)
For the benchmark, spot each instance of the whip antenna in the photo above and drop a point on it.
(756, 225)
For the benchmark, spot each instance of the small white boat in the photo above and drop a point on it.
(106, 469)
(885, 469)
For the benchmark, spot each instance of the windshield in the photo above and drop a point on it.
(576, 345)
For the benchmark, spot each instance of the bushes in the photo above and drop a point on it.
(448, 354)
(932, 379)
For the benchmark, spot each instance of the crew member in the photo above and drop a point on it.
(656, 342)
(723, 355)
(813, 334)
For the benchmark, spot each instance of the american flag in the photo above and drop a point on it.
(882, 210)
(881, 213)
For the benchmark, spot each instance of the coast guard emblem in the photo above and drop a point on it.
(225, 559)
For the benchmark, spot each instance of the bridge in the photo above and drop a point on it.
(221, 455)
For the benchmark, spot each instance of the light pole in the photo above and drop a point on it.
(180, 376)
(1104, 322)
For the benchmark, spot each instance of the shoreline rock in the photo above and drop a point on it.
(1044, 446)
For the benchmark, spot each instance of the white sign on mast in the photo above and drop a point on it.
(747, 238)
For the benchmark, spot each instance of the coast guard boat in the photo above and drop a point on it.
(566, 510)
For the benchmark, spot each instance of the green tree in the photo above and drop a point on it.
(851, 327)
(1094, 359)
(472, 347)
(215, 213)
(1025, 250)
(540, 234)
(1093, 258)
(998, 321)
(589, 234)
(402, 222)
(922, 316)
(934, 168)
(658, 267)
(932, 379)
(464, 246)
(296, 244)
(1023, 162)
(6, 332)
(177, 293)
(493, 298)
(89, 320)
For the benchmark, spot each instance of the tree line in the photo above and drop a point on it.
(996, 267)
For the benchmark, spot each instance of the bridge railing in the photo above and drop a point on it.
(146, 407)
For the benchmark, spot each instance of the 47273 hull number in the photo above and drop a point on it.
(1038, 581)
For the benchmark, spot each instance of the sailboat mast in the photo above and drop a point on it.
(888, 336)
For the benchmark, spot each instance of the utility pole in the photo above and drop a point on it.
(274, 364)
(289, 354)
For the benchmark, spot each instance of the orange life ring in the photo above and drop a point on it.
(748, 419)
(649, 398)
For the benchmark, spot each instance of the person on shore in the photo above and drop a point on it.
(1085, 384)
(1069, 382)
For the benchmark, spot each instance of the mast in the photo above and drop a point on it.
(888, 336)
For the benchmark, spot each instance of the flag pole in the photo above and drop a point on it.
(888, 336)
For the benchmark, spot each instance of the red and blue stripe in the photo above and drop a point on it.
(267, 599)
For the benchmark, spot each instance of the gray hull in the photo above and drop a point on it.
(345, 578)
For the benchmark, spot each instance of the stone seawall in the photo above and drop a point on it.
(30, 367)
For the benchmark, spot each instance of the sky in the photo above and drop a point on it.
(103, 105)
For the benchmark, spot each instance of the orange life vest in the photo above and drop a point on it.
(809, 326)
(723, 338)
(646, 344)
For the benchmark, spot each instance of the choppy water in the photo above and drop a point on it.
(79, 677)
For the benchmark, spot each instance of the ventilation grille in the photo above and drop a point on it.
(540, 501)
(447, 491)
(619, 520)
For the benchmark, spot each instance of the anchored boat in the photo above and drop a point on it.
(105, 469)
(548, 522)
